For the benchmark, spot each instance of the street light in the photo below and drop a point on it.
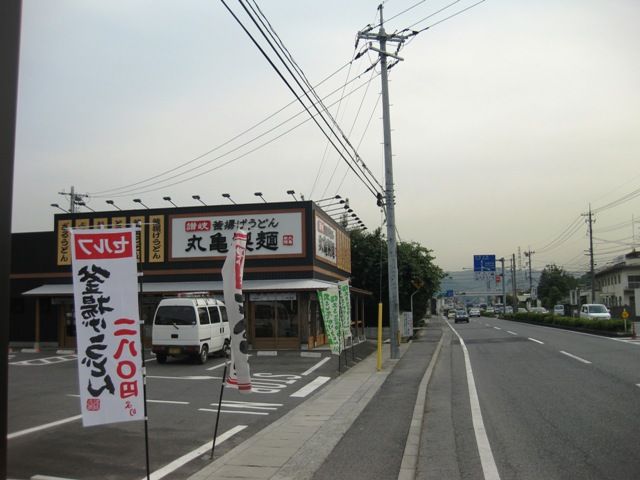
(137, 200)
(226, 195)
(82, 204)
(110, 202)
(168, 199)
(259, 194)
(55, 205)
(336, 197)
(293, 194)
(197, 197)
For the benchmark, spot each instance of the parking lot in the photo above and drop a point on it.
(46, 436)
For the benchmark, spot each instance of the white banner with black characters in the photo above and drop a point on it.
(326, 241)
(105, 291)
(239, 375)
(268, 234)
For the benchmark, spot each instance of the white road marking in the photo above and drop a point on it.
(487, 461)
(310, 387)
(317, 365)
(255, 404)
(537, 341)
(172, 402)
(48, 477)
(575, 357)
(193, 377)
(512, 333)
(497, 328)
(637, 384)
(173, 466)
(217, 366)
(231, 411)
(43, 427)
(37, 362)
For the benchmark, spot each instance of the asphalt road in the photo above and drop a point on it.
(182, 399)
(555, 405)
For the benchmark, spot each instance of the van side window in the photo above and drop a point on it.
(204, 316)
(213, 313)
(223, 312)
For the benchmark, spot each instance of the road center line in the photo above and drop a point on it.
(537, 341)
(173, 466)
(575, 357)
(317, 365)
(512, 333)
(487, 461)
(43, 427)
(310, 387)
(497, 328)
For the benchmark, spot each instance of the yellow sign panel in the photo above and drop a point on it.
(625, 314)
(64, 242)
(101, 222)
(139, 237)
(156, 239)
(118, 222)
(82, 223)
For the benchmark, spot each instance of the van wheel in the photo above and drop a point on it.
(204, 354)
(226, 349)
(161, 358)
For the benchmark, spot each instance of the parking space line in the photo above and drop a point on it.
(43, 427)
(317, 365)
(575, 357)
(214, 410)
(173, 466)
(497, 328)
(512, 333)
(537, 341)
(310, 387)
(217, 366)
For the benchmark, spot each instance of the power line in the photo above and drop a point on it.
(369, 183)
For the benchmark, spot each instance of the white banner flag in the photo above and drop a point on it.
(239, 376)
(105, 292)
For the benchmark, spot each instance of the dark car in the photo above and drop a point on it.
(462, 316)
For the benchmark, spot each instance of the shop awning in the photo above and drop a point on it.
(288, 285)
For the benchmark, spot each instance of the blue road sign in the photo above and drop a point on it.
(484, 263)
(449, 293)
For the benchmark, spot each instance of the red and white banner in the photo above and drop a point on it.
(105, 290)
(239, 375)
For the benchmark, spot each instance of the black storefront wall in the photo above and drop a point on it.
(36, 262)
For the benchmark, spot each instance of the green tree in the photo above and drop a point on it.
(554, 285)
(416, 273)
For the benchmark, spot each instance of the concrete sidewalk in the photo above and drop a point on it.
(297, 445)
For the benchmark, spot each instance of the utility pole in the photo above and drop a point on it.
(394, 304)
(504, 293)
(529, 254)
(74, 198)
(513, 277)
(590, 221)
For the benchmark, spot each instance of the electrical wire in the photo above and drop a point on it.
(446, 18)
(565, 235)
(369, 183)
(244, 132)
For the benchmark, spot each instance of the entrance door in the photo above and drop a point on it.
(275, 324)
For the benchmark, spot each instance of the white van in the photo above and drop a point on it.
(595, 311)
(195, 326)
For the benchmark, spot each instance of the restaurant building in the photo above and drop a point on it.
(294, 249)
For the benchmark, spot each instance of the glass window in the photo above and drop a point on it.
(204, 315)
(223, 312)
(175, 315)
(264, 320)
(214, 314)
(287, 315)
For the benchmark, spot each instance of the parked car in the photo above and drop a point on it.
(194, 326)
(451, 315)
(474, 312)
(508, 310)
(489, 310)
(522, 310)
(461, 316)
(595, 311)
(558, 309)
(538, 310)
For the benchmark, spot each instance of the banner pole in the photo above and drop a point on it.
(144, 370)
(379, 353)
(215, 430)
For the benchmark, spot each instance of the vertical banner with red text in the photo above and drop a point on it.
(107, 324)
(239, 375)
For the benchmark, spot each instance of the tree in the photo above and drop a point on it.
(416, 272)
(554, 285)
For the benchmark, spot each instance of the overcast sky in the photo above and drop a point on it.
(508, 120)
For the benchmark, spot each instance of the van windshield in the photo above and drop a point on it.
(598, 309)
(175, 315)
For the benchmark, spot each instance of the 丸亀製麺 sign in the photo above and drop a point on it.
(105, 293)
(268, 234)
(326, 241)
